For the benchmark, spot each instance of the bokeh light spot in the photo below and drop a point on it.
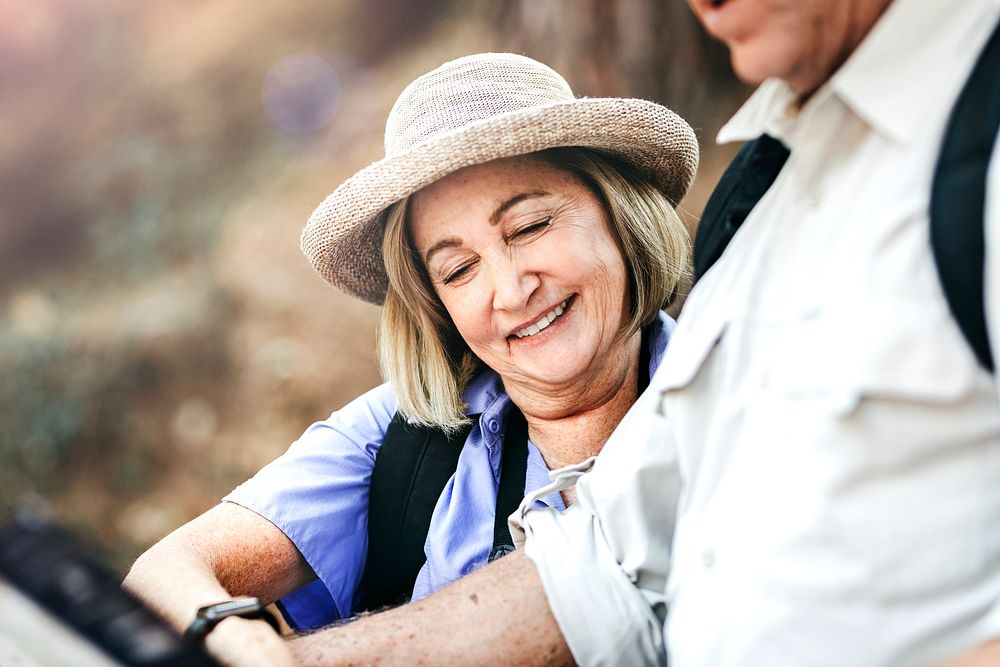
(195, 422)
(301, 93)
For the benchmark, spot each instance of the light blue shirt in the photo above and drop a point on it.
(317, 494)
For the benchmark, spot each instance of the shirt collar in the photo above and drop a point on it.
(657, 334)
(912, 47)
(767, 110)
(481, 391)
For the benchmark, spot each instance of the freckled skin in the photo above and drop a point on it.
(512, 279)
(227, 552)
(574, 380)
(498, 615)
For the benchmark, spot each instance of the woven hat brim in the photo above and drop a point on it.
(343, 237)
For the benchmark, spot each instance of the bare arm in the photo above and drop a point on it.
(227, 552)
(986, 655)
(497, 616)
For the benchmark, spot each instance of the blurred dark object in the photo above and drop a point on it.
(43, 567)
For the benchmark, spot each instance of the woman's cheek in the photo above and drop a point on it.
(470, 315)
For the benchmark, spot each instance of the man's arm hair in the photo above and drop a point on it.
(496, 616)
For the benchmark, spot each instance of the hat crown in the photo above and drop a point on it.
(467, 90)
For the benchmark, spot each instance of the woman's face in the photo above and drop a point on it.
(521, 256)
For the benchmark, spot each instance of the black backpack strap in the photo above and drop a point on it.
(514, 465)
(958, 197)
(748, 177)
(513, 471)
(411, 470)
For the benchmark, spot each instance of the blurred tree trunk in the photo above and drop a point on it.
(653, 49)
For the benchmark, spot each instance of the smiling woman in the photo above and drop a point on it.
(500, 253)
(523, 242)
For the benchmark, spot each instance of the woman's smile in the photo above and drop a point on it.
(521, 255)
(518, 294)
(543, 322)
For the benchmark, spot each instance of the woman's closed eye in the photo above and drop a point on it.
(452, 275)
(457, 273)
(529, 229)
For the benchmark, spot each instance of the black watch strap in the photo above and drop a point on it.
(211, 615)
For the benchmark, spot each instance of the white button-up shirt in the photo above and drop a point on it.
(819, 446)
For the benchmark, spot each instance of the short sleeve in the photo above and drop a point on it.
(316, 493)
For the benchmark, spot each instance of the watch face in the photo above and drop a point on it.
(231, 608)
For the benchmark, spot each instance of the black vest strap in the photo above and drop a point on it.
(513, 470)
(748, 177)
(411, 470)
(958, 197)
(409, 476)
(513, 465)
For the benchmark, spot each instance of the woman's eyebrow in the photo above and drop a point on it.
(455, 242)
(516, 199)
(447, 242)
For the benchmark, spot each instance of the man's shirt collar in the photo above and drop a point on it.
(896, 55)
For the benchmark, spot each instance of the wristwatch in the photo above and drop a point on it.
(210, 616)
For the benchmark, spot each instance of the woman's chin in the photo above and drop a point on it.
(555, 373)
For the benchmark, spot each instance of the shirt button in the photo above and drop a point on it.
(494, 426)
(708, 559)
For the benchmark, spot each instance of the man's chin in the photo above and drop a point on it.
(753, 65)
(749, 70)
(754, 62)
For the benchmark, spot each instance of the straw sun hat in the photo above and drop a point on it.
(473, 110)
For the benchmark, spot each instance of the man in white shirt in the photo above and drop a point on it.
(814, 476)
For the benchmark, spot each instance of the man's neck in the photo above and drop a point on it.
(859, 20)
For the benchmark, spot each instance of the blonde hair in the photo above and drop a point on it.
(420, 350)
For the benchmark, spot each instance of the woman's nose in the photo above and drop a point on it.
(512, 286)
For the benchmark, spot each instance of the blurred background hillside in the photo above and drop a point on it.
(161, 336)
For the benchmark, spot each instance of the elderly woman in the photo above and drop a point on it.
(523, 242)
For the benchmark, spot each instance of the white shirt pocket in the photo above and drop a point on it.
(869, 436)
(892, 352)
(688, 351)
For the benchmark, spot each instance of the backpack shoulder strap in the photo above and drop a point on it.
(746, 179)
(411, 470)
(513, 472)
(958, 196)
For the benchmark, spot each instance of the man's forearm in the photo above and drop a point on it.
(986, 655)
(497, 616)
